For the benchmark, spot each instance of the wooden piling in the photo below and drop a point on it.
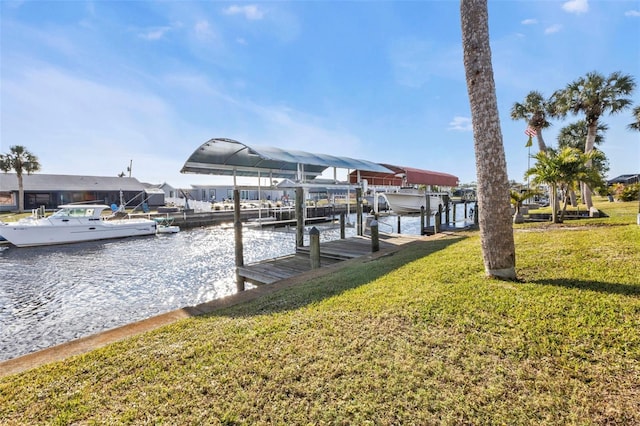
(342, 225)
(428, 210)
(438, 220)
(359, 211)
(454, 213)
(237, 228)
(475, 214)
(375, 236)
(300, 210)
(399, 225)
(447, 218)
(314, 247)
(422, 220)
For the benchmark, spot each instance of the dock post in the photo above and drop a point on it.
(438, 220)
(454, 214)
(399, 224)
(342, 225)
(359, 211)
(237, 227)
(465, 209)
(314, 247)
(428, 210)
(375, 236)
(447, 218)
(475, 214)
(300, 208)
(421, 220)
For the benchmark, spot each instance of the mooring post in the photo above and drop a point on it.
(454, 213)
(342, 225)
(475, 214)
(300, 208)
(438, 220)
(465, 209)
(314, 247)
(375, 236)
(428, 210)
(237, 227)
(421, 220)
(447, 218)
(359, 211)
(398, 224)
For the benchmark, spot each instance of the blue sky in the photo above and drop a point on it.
(89, 86)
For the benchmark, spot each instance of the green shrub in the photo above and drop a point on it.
(623, 192)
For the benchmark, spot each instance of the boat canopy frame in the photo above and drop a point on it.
(228, 157)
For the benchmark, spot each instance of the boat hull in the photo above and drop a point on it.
(44, 232)
(408, 203)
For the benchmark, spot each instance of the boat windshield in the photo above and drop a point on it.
(73, 212)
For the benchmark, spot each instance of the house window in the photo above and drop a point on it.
(6, 199)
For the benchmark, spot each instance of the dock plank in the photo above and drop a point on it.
(272, 270)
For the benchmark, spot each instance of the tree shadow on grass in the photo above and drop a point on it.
(599, 286)
(303, 290)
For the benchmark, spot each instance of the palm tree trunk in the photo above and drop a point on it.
(496, 228)
(555, 205)
(541, 145)
(588, 147)
(20, 193)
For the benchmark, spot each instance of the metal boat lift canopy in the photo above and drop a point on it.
(403, 176)
(228, 157)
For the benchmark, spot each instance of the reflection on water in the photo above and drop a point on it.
(50, 295)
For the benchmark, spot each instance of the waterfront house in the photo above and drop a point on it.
(51, 191)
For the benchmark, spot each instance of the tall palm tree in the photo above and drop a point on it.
(593, 95)
(20, 160)
(636, 124)
(496, 229)
(534, 111)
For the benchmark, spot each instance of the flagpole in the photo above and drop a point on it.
(528, 164)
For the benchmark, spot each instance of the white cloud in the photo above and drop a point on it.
(203, 29)
(634, 13)
(529, 22)
(576, 6)
(154, 33)
(251, 11)
(461, 124)
(553, 29)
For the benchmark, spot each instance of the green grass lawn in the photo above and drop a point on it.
(420, 337)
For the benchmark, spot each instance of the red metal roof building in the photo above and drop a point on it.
(404, 176)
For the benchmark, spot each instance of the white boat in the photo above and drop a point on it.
(411, 200)
(74, 223)
(166, 226)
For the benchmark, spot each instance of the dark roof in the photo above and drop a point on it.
(625, 179)
(406, 176)
(44, 182)
(220, 156)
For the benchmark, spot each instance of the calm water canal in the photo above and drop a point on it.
(50, 295)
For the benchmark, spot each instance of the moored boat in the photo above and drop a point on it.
(74, 223)
(411, 200)
(166, 226)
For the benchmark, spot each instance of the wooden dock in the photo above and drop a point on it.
(331, 252)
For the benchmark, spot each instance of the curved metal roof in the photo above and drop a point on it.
(220, 156)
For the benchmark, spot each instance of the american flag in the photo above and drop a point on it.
(531, 132)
